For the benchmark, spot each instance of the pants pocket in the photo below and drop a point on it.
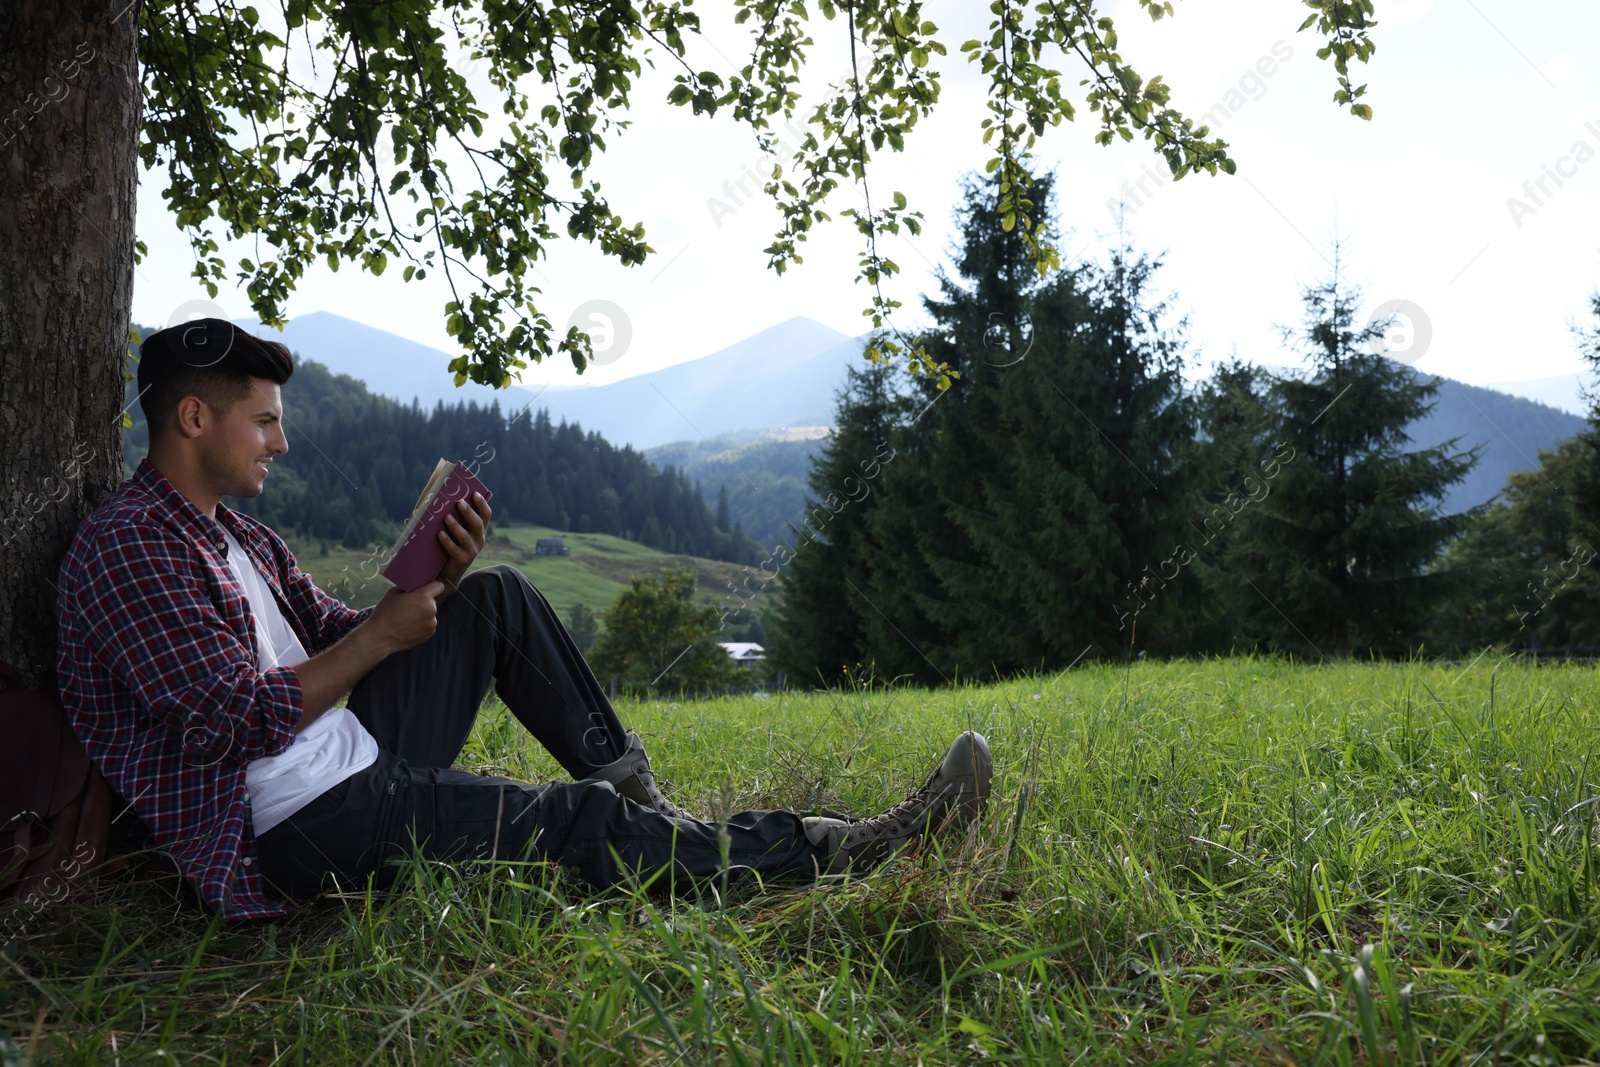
(392, 832)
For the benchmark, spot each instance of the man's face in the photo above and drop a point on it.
(241, 446)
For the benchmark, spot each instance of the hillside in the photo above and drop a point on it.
(1180, 863)
(1510, 429)
(599, 568)
(765, 478)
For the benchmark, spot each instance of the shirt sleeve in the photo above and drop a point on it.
(158, 631)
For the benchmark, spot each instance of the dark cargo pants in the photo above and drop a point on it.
(420, 705)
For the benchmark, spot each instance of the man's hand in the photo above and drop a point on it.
(400, 621)
(403, 620)
(462, 538)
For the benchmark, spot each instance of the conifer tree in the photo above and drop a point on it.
(1234, 462)
(814, 626)
(1020, 500)
(1048, 479)
(1099, 448)
(1586, 487)
(583, 626)
(1526, 564)
(929, 609)
(1338, 554)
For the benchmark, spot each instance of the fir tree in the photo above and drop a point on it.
(1525, 566)
(1586, 488)
(1338, 554)
(814, 626)
(1529, 561)
(1048, 478)
(1020, 500)
(1234, 462)
(1097, 434)
(925, 611)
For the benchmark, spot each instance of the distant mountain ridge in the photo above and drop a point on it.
(783, 376)
(1564, 391)
(386, 363)
(1511, 430)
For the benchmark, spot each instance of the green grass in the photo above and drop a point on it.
(1225, 862)
(599, 568)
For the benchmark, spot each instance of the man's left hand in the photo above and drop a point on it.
(463, 537)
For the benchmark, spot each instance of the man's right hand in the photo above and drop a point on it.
(404, 620)
(399, 621)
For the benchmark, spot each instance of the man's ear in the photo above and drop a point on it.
(193, 416)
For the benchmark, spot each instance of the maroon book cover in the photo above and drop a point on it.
(418, 557)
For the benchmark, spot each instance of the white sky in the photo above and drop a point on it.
(1472, 99)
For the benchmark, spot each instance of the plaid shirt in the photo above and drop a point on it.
(156, 662)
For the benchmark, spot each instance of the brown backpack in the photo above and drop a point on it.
(55, 808)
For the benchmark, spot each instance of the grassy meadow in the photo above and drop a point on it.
(599, 568)
(1239, 861)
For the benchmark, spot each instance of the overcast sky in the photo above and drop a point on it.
(1476, 102)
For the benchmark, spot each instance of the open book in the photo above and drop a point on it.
(417, 556)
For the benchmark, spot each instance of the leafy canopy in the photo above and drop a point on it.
(657, 639)
(323, 135)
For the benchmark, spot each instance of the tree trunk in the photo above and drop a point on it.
(69, 133)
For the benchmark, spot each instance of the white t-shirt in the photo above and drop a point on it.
(331, 749)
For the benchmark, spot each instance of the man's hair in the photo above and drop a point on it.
(211, 359)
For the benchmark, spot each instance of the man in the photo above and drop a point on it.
(200, 667)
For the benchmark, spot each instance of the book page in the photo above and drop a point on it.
(436, 481)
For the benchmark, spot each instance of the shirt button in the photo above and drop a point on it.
(247, 861)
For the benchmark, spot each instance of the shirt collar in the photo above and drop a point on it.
(199, 525)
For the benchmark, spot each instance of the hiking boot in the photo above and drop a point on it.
(954, 796)
(633, 778)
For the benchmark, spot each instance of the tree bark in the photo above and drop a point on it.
(70, 110)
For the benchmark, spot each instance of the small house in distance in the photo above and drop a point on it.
(744, 653)
(551, 546)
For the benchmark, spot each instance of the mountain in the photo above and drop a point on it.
(765, 477)
(1564, 391)
(783, 376)
(1510, 429)
(388, 364)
